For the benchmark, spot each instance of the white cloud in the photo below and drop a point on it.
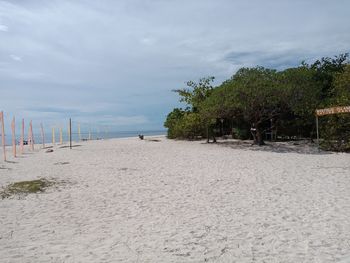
(148, 41)
(95, 59)
(122, 120)
(4, 28)
(16, 58)
(115, 122)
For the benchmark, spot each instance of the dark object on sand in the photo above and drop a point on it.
(49, 151)
(68, 146)
(24, 142)
(141, 136)
(61, 163)
(153, 140)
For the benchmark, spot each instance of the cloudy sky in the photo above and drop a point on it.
(115, 62)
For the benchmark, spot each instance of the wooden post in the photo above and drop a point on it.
(79, 133)
(42, 135)
(68, 130)
(318, 136)
(53, 135)
(3, 135)
(29, 138)
(70, 133)
(32, 135)
(61, 137)
(13, 127)
(22, 137)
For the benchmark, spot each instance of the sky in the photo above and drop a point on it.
(115, 62)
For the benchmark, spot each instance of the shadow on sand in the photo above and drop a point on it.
(67, 146)
(301, 147)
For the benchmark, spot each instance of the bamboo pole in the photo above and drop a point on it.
(13, 127)
(61, 136)
(70, 133)
(22, 137)
(32, 135)
(79, 133)
(42, 135)
(68, 130)
(3, 135)
(29, 138)
(53, 135)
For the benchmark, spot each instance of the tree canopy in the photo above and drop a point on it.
(264, 100)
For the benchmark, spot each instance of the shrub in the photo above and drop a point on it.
(240, 133)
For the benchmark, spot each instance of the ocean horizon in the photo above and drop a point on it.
(84, 136)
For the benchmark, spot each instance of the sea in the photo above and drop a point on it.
(85, 136)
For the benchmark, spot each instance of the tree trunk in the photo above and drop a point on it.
(253, 132)
(255, 141)
(259, 137)
(257, 134)
(207, 133)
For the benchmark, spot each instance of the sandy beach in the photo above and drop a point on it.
(159, 200)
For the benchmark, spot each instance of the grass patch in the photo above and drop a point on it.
(26, 187)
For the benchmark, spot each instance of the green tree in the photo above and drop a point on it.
(325, 72)
(189, 123)
(335, 129)
(221, 105)
(190, 126)
(172, 122)
(196, 93)
(342, 87)
(257, 94)
(258, 97)
(303, 96)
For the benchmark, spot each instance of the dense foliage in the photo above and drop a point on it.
(336, 128)
(256, 102)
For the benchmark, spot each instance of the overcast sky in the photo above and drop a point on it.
(115, 62)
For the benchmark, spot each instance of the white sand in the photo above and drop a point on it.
(170, 201)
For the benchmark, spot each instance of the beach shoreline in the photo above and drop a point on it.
(163, 200)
